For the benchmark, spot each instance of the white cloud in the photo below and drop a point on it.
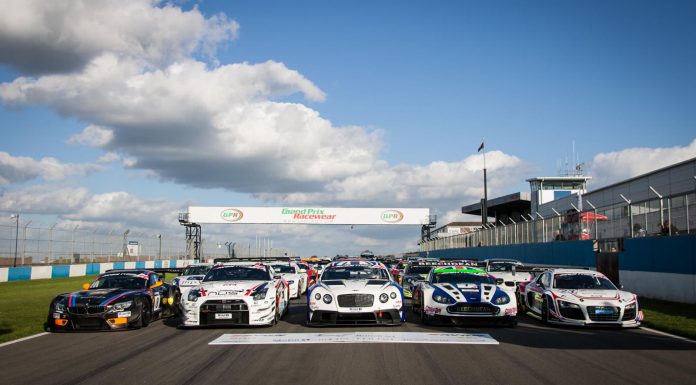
(43, 199)
(612, 167)
(92, 135)
(108, 158)
(39, 36)
(18, 169)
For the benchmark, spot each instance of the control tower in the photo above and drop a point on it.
(547, 189)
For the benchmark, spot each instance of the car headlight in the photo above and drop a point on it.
(568, 305)
(193, 295)
(384, 297)
(59, 305)
(392, 295)
(317, 296)
(409, 280)
(502, 300)
(291, 282)
(441, 299)
(122, 305)
(261, 294)
(327, 299)
(631, 306)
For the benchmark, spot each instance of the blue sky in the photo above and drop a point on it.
(423, 82)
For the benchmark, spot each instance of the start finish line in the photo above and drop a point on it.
(355, 338)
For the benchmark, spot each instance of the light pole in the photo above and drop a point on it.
(15, 217)
(159, 251)
(662, 208)
(594, 212)
(24, 240)
(630, 214)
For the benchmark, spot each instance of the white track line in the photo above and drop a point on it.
(667, 334)
(23, 339)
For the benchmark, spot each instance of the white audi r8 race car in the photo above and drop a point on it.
(295, 277)
(579, 297)
(236, 293)
(355, 292)
(190, 277)
(459, 293)
(511, 271)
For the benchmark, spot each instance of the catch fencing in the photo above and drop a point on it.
(608, 226)
(22, 243)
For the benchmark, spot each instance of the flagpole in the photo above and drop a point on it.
(484, 201)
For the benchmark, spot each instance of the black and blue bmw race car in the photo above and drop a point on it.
(118, 299)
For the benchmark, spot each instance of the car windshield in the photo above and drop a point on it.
(581, 281)
(500, 266)
(237, 273)
(354, 272)
(121, 281)
(461, 278)
(418, 270)
(284, 269)
(196, 270)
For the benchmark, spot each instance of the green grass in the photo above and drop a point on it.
(24, 304)
(670, 317)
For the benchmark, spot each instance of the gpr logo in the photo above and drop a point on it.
(392, 216)
(231, 215)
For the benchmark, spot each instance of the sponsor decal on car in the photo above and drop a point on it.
(431, 310)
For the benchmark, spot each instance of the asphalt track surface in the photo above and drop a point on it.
(531, 353)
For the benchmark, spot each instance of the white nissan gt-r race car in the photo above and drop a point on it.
(459, 293)
(579, 297)
(355, 292)
(236, 293)
(293, 275)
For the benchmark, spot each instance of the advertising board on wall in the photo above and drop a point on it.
(309, 215)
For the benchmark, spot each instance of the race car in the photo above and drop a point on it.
(117, 299)
(458, 293)
(414, 271)
(355, 292)
(311, 272)
(579, 297)
(236, 293)
(295, 278)
(190, 277)
(511, 271)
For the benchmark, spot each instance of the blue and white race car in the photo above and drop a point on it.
(457, 293)
(355, 292)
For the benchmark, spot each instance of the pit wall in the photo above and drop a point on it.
(10, 274)
(653, 267)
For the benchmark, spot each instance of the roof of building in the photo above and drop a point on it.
(518, 201)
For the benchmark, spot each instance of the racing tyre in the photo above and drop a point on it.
(521, 306)
(545, 312)
(145, 314)
(424, 318)
(510, 322)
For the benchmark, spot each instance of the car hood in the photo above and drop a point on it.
(591, 294)
(510, 276)
(189, 280)
(355, 285)
(227, 288)
(469, 292)
(98, 297)
(290, 276)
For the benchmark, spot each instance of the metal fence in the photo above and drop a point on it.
(22, 244)
(666, 216)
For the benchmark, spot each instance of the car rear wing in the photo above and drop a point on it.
(447, 262)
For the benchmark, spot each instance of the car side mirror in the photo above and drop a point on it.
(85, 286)
(499, 281)
(157, 284)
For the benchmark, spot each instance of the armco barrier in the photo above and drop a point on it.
(9, 274)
